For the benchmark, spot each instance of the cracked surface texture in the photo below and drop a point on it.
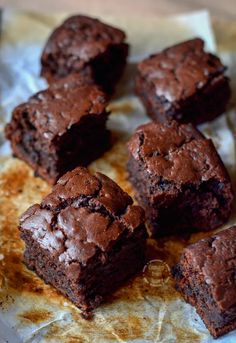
(84, 215)
(178, 71)
(53, 111)
(60, 128)
(165, 149)
(206, 277)
(183, 82)
(179, 178)
(217, 265)
(87, 45)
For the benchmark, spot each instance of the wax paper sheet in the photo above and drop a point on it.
(147, 309)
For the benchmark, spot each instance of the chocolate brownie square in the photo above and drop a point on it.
(85, 45)
(60, 128)
(86, 238)
(179, 178)
(206, 278)
(184, 83)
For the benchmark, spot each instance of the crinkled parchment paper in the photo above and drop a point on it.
(147, 309)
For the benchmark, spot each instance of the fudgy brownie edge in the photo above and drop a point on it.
(60, 128)
(178, 178)
(184, 83)
(205, 276)
(86, 238)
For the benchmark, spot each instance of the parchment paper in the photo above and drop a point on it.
(147, 309)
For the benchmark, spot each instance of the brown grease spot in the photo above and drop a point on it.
(126, 328)
(124, 107)
(141, 287)
(17, 281)
(15, 278)
(182, 335)
(36, 316)
(12, 183)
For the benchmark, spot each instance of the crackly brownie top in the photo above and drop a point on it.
(214, 260)
(53, 111)
(84, 214)
(181, 70)
(82, 38)
(175, 152)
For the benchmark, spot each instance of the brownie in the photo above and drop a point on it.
(60, 128)
(179, 178)
(85, 45)
(184, 83)
(74, 80)
(205, 275)
(86, 238)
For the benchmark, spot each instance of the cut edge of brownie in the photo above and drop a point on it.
(213, 195)
(191, 294)
(112, 64)
(195, 290)
(209, 102)
(86, 282)
(163, 220)
(79, 144)
(100, 287)
(105, 68)
(210, 98)
(91, 147)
